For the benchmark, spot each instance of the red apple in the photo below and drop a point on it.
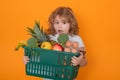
(57, 47)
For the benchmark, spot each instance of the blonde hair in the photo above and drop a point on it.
(67, 13)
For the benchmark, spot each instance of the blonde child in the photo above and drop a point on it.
(62, 20)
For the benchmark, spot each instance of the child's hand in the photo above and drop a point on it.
(25, 59)
(77, 60)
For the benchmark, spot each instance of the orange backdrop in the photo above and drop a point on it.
(99, 22)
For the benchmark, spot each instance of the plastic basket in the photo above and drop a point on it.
(50, 64)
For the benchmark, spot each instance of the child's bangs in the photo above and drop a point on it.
(66, 18)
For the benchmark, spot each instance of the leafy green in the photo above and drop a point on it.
(63, 38)
(32, 42)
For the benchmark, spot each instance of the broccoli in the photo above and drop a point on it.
(63, 38)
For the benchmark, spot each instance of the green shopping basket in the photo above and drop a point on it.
(50, 64)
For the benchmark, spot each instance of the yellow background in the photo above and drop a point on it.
(99, 22)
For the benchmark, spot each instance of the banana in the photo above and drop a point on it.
(20, 44)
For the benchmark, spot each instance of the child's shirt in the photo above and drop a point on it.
(71, 38)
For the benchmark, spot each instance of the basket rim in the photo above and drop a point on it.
(38, 48)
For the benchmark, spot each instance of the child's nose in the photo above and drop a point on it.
(60, 25)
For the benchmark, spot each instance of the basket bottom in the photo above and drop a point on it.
(52, 71)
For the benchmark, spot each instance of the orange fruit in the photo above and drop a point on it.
(67, 49)
(74, 50)
(68, 44)
(75, 44)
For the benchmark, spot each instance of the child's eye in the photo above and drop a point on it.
(56, 22)
(64, 22)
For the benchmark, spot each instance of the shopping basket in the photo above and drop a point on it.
(50, 64)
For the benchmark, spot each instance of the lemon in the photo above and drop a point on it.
(46, 45)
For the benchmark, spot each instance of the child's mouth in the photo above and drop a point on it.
(60, 31)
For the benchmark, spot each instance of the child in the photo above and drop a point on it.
(62, 20)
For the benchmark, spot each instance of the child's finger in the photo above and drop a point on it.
(81, 53)
(74, 57)
(73, 60)
(26, 58)
(74, 63)
(26, 62)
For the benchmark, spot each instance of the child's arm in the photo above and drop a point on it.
(25, 59)
(81, 60)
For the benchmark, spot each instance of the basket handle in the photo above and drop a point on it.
(78, 53)
(27, 52)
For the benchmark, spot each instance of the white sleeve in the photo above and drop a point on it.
(53, 37)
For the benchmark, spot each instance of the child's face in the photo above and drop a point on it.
(61, 25)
